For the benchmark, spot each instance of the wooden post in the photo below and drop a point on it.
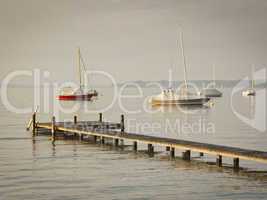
(186, 155)
(219, 161)
(116, 142)
(168, 148)
(53, 129)
(172, 154)
(122, 142)
(34, 124)
(201, 154)
(102, 140)
(150, 150)
(135, 146)
(236, 164)
(100, 117)
(75, 119)
(95, 138)
(122, 123)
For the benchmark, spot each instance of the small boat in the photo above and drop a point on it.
(78, 94)
(212, 91)
(250, 91)
(170, 97)
(81, 94)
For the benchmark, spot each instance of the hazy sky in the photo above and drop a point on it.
(134, 39)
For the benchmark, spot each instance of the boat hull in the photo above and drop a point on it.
(211, 93)
(199, 101)
(249, 93)
(83, 97)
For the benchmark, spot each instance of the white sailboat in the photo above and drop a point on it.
(250, 91)
(212, 91)
(170, 97)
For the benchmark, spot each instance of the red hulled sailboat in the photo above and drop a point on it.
(81, 93)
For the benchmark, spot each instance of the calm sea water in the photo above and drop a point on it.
(35, 169)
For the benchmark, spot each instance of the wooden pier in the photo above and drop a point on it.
(99, 130)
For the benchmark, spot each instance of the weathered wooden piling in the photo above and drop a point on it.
(75, 120)
(100, 117)
(81, 137)
(102, 140)
(53, 129)
(135, 146)
(236, 164)
(150, 150)
(116, 142)
(186, 155)
(219, 161)
(122, 123)
(95, 138)
(34, 124)
(172, 153)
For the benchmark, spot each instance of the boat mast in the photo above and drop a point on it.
(184, 60)
(252, 77)
(79, 66)
(213, 74)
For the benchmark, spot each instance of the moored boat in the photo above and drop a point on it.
(78, 95)
(184, 97)
(169, 97)
(211, 90)
(81, 94)
(250, 91)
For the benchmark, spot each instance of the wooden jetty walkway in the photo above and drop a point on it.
(100, 130)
